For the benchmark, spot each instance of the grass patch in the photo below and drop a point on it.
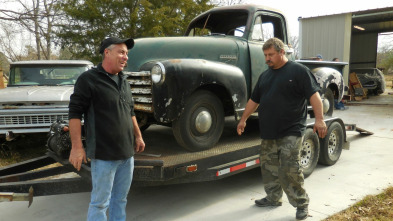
(389, 80)
(22, 148)
(371, 208)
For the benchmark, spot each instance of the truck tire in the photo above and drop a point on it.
(329, 97)
(142, 120)
(309, 152)
(200, 125)
(144, 127)
(331, 145)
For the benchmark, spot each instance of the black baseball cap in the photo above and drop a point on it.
(115, 40)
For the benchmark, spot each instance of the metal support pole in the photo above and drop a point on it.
(9, 197)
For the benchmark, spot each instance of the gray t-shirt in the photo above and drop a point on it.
(115, 77)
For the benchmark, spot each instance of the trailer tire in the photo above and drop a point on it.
(309, 153)
(332, 144)
(329, 97)
(201, 123)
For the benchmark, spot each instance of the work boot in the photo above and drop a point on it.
(302, 213)
(265, 202)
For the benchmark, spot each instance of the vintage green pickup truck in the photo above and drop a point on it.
(192, 83)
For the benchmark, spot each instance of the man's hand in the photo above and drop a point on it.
(320, 126)
(77, 155)
(251, 107)
(240, 127)
(139, 145)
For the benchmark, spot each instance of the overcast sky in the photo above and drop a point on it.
(293, 9)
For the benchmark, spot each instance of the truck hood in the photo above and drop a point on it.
(31, 94)
(213, 48)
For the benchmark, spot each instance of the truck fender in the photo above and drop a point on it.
(185, 76)
(329, 78)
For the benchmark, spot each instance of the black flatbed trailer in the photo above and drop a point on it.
(163, 162)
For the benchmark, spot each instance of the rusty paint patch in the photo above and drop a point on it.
(9, 179)
(6, 197)
(139, 82)
(137, 74)
(174, 61)
(141, 90)
(143, 108)
(11, 107)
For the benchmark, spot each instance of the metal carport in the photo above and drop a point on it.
(352, 37)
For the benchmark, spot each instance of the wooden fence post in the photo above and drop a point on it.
(1, 79)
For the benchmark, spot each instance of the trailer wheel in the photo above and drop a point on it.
(332, 144)
(200, 125)
(309, 152)
(329, 99)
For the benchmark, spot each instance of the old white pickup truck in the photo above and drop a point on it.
(37, 94)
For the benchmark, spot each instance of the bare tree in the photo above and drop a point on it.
(9, 44)
(37, 18)
(294, 41)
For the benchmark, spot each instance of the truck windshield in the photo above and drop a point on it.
(220, 23)
(44, 76)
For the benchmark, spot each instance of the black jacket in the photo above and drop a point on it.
(107, 109)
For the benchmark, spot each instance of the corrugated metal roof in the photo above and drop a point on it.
(375, 20)
(371, 20)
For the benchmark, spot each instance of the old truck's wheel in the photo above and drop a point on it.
(200, 125)
(332, 144)
(328, 103)
(309, 152)
(142, 119)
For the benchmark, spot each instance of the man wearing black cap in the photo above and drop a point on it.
(103, 97)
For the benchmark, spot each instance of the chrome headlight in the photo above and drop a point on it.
(158, 73)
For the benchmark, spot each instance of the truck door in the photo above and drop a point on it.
(266, 25)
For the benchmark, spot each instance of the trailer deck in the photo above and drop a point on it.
(171, 161)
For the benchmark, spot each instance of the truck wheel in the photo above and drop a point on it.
(309, 152)
(142, 120)
(331, 145)
(200, 125)
(144, 127)
(329, 98)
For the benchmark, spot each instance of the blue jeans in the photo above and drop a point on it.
(111, 182)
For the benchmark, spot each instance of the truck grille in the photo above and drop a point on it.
(141, 85)
(31, 120)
